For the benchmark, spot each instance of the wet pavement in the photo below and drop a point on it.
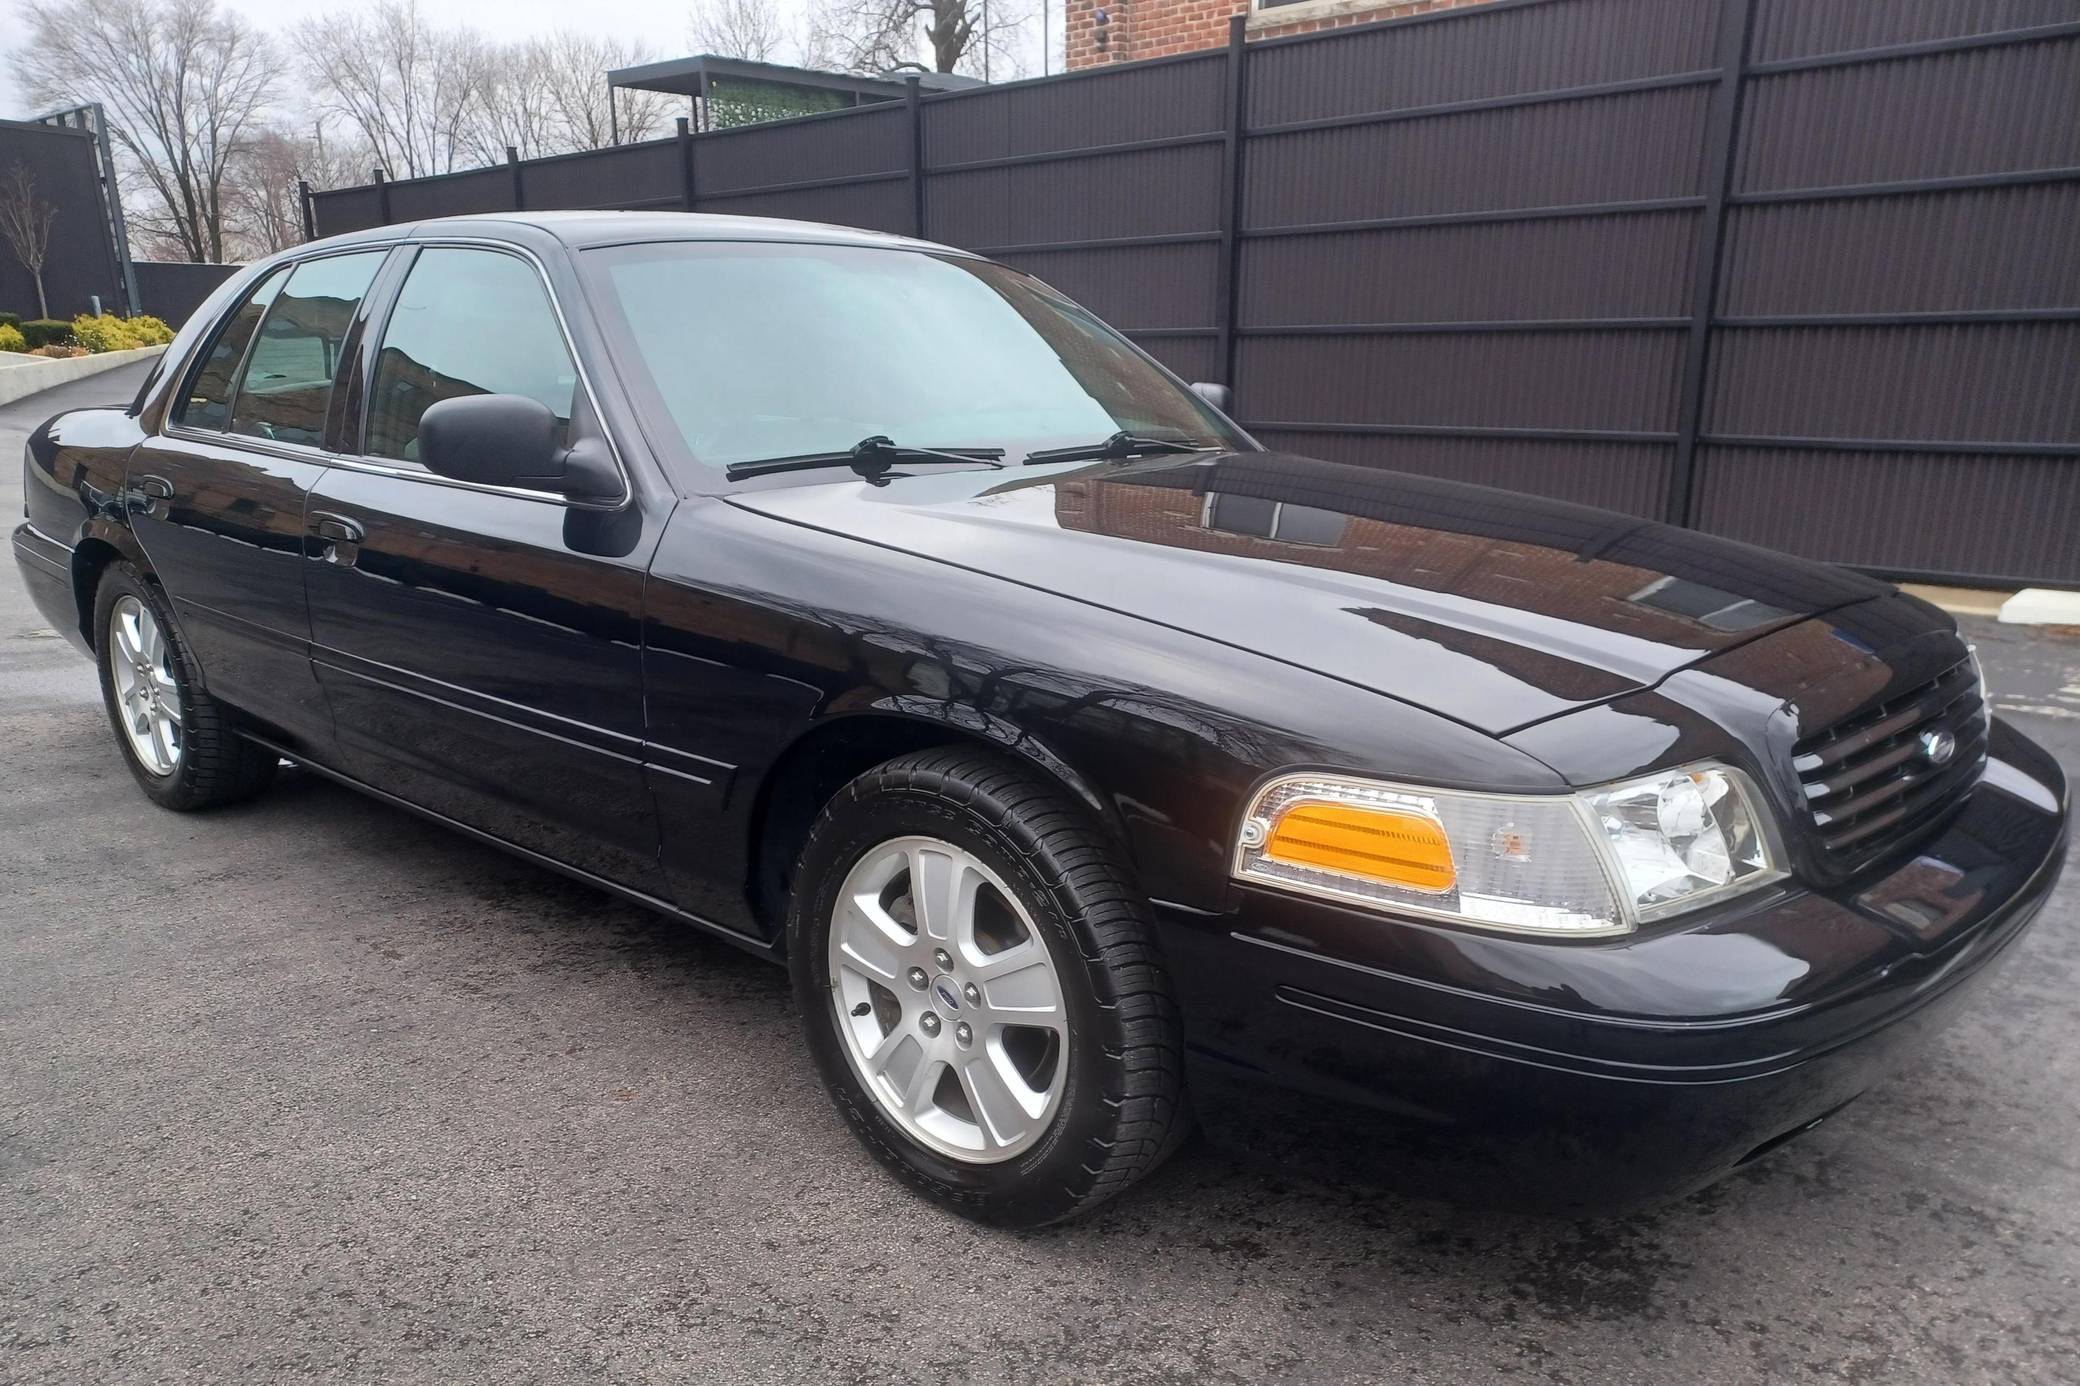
(307, 1088)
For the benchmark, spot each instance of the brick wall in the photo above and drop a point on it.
(1153, 28)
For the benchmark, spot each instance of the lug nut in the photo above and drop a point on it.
(929, 1023)
(917, 978)
(963, 1034)
(943, 958)
(972, 993)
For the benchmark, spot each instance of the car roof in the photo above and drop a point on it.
(581, 229)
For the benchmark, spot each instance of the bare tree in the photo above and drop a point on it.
(738, 29)
(879, 36)
(25, 222)
(408, 88)
(573, 79)
(265, 205)
(183, 85)
(511, 110)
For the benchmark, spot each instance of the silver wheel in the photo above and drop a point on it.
(948, 1001)
(140, 659)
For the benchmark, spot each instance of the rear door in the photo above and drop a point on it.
(217, 498)
(481, 647)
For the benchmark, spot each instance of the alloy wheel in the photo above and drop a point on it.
(948, 1001)
(140, 659)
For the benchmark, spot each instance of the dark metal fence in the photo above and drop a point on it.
(172, 289)
(1803, 272)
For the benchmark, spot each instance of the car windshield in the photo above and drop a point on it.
(756, 351)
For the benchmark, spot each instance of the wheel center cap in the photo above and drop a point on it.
(946, 993)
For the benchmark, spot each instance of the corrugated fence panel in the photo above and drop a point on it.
(1140, 286)
(1605, 381)
(1988, 382)
(1977, 249)
(480, 190)
(1148, 192)
(1807, 28)
(2007, 518)
(1569, 43)
(1192, 358)
(1620, 266)
(1628, 477)
(1981, 110)
(345, 209)
(1109, 106)
(1601, 149)
(632, 176)
(874, 139)
(879, 206)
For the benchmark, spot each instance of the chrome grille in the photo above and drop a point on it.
(1870, 781)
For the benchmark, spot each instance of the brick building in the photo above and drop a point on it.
(1117, 31)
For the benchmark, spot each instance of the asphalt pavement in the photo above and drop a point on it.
(310, 1089)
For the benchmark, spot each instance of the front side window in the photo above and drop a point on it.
(758, 351)
(467, 322)
(208, 401)
(288, 376)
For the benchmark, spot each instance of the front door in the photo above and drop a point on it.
(217, 499)
(481, 648)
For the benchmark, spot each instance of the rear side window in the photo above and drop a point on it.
(467, 322)
(287, 380)
(208, 402)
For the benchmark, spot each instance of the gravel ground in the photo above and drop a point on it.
(309, 1089)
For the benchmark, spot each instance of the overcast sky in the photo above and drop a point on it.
(662, 24)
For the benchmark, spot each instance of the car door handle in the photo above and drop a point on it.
(337, 529)
(157, 487)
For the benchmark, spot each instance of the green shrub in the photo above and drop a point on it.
(111, 333)
(11, 340)
(10, 319)
(45, 332)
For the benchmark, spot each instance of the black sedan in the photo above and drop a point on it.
(872, 606)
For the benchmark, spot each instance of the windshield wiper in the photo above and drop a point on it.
(1119, 446)
(870, 457)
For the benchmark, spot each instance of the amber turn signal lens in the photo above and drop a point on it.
(1398, 847)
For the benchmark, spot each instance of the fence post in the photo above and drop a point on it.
(1736, 28)
(519, 179)
(1224, 289)
(913, 100)
(689, 197)
(382, 199)
(310, 213)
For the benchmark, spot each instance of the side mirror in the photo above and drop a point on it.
(1219, 396)
(511, 440)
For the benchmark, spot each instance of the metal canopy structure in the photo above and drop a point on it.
(707, 78)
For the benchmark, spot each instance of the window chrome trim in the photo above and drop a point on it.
(356, 462)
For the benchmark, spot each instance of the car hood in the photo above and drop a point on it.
(1494, 608)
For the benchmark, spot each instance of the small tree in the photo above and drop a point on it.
(25, 221)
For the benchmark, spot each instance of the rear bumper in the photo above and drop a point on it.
(1583, 1077)
(46, 568)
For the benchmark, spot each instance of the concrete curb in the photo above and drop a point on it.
(33, 377)
(2041, 606)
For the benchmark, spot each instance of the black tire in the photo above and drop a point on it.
(1121, 1112)
(216, 766)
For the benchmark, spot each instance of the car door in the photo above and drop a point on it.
(217, 497)
(480, 646)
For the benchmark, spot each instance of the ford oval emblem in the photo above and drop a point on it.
(1937, 746)
(943, 989)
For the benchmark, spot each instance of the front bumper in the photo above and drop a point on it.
(1587, 1077)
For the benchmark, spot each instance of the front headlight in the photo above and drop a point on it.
(1573, 865)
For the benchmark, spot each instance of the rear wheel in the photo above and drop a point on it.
(980, 992)
(177, 740)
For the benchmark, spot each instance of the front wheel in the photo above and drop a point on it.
(980, 991)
